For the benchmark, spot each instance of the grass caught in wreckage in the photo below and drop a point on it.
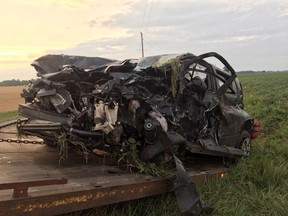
(257, 185)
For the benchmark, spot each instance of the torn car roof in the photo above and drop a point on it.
(52, 63)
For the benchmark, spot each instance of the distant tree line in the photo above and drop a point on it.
(14, 82)
(262, 71)
(17, 82)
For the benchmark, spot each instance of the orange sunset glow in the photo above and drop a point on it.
(246, 32)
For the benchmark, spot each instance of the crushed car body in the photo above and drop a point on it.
(165, 105)
(179, 99)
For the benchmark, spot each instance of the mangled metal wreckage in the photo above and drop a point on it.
(166, 104)
(176, 99)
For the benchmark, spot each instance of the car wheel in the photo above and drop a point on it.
(245, 142)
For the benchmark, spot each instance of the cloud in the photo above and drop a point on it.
(233, 28)
(92, 23)
(66, 4)
(239, 30)
(232, 39)
(282, 9)
(119, 48)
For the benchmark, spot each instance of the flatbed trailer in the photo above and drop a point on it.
(33, 182)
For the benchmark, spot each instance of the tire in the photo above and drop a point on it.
(244, 142)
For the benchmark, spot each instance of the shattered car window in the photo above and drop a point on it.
(197, 67)
(220, 82)
(232, 89)
(194, 74)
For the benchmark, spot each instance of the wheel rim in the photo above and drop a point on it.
(246, 146)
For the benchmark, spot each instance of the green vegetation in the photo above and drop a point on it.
(258, 185)
(261, 71)
(151, 206)
(14, 82)
(130, 159)
(6, 116)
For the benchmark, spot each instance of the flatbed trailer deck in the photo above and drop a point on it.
(39, 184)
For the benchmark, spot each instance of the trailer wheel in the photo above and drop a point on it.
(245, 142)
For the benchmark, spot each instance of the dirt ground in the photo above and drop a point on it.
(10, 98)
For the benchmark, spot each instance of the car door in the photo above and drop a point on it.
(233, 95)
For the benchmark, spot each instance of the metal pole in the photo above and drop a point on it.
(142, 44)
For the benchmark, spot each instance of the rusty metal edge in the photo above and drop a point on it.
(74, 199)
(21, 188)
(34, 183)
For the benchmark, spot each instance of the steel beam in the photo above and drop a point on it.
(21, 188)
(78, 198)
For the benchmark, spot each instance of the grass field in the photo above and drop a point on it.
(6, 116)
(257, 185)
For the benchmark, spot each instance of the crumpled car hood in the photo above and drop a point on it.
(52, 63)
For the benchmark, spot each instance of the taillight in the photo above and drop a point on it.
(256, 130)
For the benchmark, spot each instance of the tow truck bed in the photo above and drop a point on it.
(37, 181)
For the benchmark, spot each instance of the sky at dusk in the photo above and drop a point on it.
(249, 34)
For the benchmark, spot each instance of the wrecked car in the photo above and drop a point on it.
(177, 103)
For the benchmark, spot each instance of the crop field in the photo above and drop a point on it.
(10, 98)
(257, 185)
